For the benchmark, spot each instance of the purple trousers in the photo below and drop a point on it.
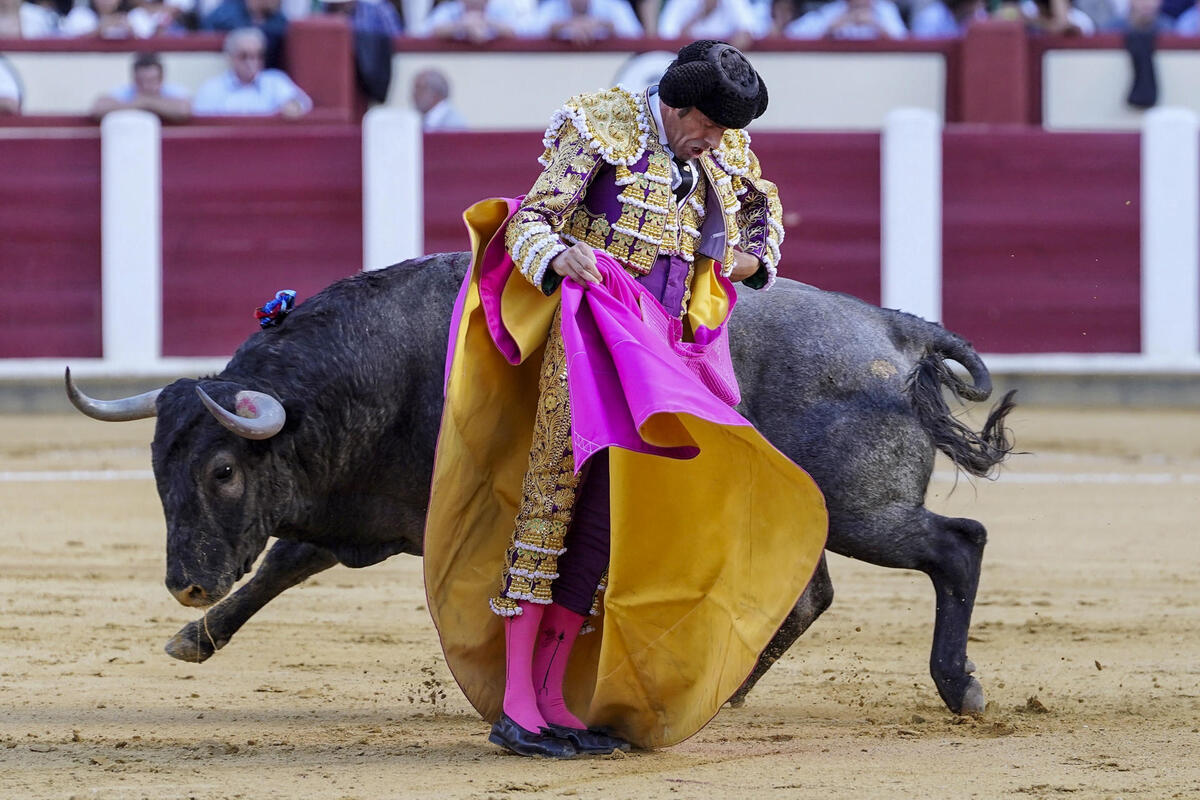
(582, 566)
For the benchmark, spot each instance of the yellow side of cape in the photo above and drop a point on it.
(707, 555)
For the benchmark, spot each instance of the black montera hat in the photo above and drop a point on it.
(717, 79)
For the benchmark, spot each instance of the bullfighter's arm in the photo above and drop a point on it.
(760, 223)
(532, 236)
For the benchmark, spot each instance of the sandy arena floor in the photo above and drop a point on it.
(1085, 636)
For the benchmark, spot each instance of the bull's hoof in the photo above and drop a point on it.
(191, 644)
(973, 700)
(738, 700)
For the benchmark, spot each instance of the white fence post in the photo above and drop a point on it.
(131, 238)
(393, 186)
(1170, 249)
(911, 195)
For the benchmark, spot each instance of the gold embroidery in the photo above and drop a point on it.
(615, 119)
(548, 492)
(734, 153)
(571, 167)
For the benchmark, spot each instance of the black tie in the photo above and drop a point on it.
(688, 179)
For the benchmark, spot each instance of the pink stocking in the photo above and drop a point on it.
(520, 635)
(559, 629)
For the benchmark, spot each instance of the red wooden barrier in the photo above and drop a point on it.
(50, 245)
(1040, 241)
(829, 186)
(248, 211)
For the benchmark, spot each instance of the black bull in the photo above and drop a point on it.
(331, 450)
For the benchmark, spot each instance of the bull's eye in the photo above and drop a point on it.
(223, 473)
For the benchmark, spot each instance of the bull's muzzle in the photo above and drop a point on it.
(193, 596)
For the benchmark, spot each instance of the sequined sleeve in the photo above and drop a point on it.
(532, 237)
(760, 219)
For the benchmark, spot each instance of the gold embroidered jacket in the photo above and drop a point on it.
(607, 182)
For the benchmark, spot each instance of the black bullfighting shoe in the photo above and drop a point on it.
(512, 736)
(589, 741)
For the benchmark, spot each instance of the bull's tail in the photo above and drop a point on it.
(977, 452)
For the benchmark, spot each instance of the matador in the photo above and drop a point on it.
(683, 544)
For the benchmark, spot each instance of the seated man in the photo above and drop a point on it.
(850, 19)
(10, 89)
(585, 21)
(431, 97)
(368, 16)
(147, 92)
(266, 15)
(247, 88)
(739, 22)
(19, 20)
(477, 21)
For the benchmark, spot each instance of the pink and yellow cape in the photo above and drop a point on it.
(715, 533)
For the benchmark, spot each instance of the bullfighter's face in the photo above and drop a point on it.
(690, 133)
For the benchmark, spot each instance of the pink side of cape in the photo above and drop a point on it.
(621, 371)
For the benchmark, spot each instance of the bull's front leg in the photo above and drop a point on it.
(817, 597)
(286, 564)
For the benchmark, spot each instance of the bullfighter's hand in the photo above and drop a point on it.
(744, 265)
(577, 262)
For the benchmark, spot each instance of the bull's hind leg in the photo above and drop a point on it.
(286, 564)
(817, 597)
(950, 551)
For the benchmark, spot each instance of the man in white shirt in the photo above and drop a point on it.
(431, 97)
(736, 21)
(148, 92)
(587, 21)
(10, 89)
(247, 88)
(850, 19)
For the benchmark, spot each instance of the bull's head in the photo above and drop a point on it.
(213, 479)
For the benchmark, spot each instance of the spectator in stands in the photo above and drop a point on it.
(1188, 23)
(850, 19)
(375, 23)
(738, 22)
(946, 18)
(10, 89)
(110, 19)
(431, 96)
(479, 21)
(262, 14)
(368, 16)
(648, 12)
(582, 22)
(164, 16)
(1056, 16)
(1141, 15)
(248, 88)
(147, 92)
(1174, 9)
(20, 20)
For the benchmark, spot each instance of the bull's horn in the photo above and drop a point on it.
(140, 406)
(259, 416)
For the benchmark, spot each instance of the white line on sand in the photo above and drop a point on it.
(1080, 478)
(69, 475)
(945, 476)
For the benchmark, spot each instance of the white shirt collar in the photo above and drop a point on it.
(656, 111)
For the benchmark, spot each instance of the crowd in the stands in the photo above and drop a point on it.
(586, 21)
